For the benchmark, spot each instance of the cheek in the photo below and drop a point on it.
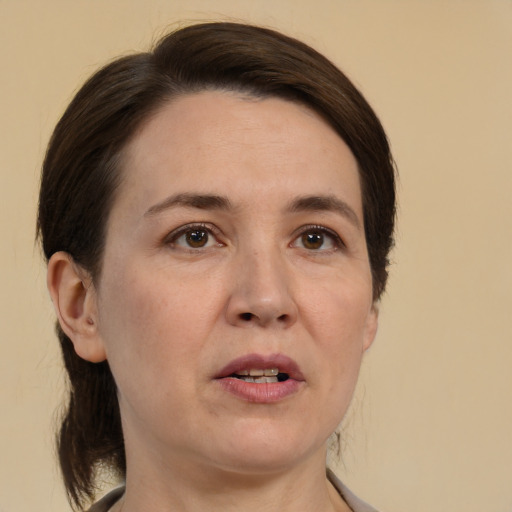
(155, 318)
(337, 319)
(147, 331)
(338, 313)
(130, 307)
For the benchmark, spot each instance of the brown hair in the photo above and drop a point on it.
(82, 170)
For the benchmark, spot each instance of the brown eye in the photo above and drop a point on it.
(196, 238)
(318, 239)
(312, 240)
(193, 237)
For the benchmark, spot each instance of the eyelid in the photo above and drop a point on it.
(335, 237)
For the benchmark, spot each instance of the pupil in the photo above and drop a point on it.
(312, 240)
(197, 238)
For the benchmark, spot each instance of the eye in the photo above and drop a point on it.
(195, 236)
(318, 238)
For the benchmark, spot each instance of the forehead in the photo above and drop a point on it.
(222, 142)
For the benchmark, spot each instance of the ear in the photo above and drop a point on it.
(372, 323)
(74, 300)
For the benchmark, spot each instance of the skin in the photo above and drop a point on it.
(168, 316)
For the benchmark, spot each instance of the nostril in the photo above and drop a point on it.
(249, 317)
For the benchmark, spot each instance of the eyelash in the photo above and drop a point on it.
(172, 238)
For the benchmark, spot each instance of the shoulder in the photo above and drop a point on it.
(108, 500)
(355, 503)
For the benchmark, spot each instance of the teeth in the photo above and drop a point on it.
(259, 380)
(258, 376)
(256, 372)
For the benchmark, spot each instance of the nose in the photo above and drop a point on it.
(261, 294)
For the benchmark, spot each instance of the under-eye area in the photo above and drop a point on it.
(257, 376)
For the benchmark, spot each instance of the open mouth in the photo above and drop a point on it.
(261, 379)
(257, 376)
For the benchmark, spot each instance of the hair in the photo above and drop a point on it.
(83, 165)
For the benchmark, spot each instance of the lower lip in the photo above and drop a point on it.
(265, 393)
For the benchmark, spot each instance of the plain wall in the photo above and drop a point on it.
(431, 424)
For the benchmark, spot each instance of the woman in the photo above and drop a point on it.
(216, 216)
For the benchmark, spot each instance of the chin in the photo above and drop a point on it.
(265, 450)
(259, 464)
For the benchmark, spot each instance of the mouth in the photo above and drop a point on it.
(261, 379)
(277, 367)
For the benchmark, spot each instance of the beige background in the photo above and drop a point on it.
(431, 426)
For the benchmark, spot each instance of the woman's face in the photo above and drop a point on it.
(235, 248)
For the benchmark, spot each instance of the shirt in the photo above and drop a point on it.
(356, 504)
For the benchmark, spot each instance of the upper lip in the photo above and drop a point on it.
(262, 362)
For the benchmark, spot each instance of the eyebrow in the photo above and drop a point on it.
(326, 203)
(315, 203)
(199, 201)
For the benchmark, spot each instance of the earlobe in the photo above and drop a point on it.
(74, 299)
(372, 323)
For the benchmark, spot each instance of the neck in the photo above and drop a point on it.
(177, 487)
